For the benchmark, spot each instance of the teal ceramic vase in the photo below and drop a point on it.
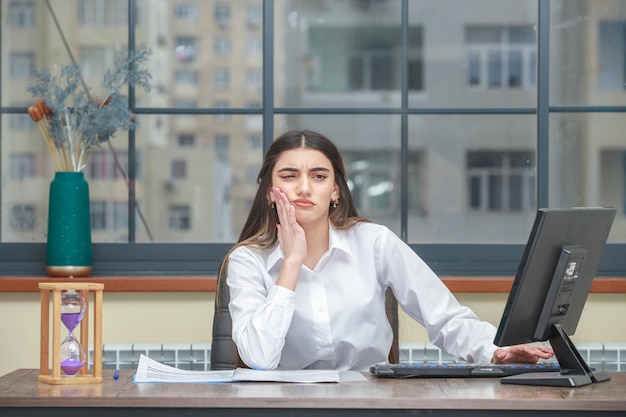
(68, 249)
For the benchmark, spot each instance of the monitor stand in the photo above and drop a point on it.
(574, 370)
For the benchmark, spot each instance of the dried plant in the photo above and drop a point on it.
(72, 121)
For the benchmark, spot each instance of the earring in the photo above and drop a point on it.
(270, 202)
(335, 202)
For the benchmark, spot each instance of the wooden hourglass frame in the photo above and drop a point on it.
(54, 375)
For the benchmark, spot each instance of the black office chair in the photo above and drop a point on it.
(224, 351)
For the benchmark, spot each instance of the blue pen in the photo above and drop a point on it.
(116, 374)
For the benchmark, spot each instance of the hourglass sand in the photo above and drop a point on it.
(70, 307)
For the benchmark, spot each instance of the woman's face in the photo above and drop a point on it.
(306, 176)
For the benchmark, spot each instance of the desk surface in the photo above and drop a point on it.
(21, 394)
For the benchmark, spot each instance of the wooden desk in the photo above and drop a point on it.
(22, 395)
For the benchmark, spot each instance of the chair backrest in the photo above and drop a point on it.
(224, 351)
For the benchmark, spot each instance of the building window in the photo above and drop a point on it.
(186, 140)
(21, 122)
(185, 49)
(103, 12)
(221, 78)
(23, 165)
(189, 77)
(222, 144)
(22, 14)
(222, 15)
(501, 181)
(22, 217)
(254, 142)
(371, 62)
(501, 57)
(186, 11)
(102, 166)
(371, 180)
(22, 64)
(94, 60)
(221, 117)
(254, 45)
(109, 216)
(254, 16)
(611, 51)
(221, 46)
(179, 217)
(178, 169)
(254, 79)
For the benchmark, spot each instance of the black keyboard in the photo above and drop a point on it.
(404, 370)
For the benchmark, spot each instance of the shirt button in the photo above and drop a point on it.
(325, 342)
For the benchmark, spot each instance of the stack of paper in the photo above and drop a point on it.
(149, 370)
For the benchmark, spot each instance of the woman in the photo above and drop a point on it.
(307, 279)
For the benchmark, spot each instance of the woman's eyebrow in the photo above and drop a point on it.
(316, 169)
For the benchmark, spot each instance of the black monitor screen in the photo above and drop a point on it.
(551, 286)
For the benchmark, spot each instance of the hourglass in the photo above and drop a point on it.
(70, 308)
(73, 356)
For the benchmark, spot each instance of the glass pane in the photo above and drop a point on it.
(198, 177)
(474, 60)
(476, 179)
(588, 164)
(342, 53)
(587, 69)
(370, 146)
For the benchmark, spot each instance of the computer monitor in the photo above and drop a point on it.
(550, 289)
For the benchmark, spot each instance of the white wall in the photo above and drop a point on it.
(187, 317)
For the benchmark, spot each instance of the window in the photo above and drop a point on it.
(254, 79)
(22, 14)
(22, 217)
(186, 140)
(254, 142)
(183, 76)
(179, 217)
(178, 169)
(102, 12)
(254, 16)
(221, 78)
(222, 45)
(222, 144)
(186, 11)
(612, 47)
(254, 45)
(21, 122)
(501, 181)
(373, 179)
(371, 60)
(501, 57)
(102, 165)
(109, 216)
(436, 103)
(222, 15)
(22, 64)
(185, 49)
(95, 60)
(23, 165)
(221, 117)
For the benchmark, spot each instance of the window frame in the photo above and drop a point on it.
(190, 259)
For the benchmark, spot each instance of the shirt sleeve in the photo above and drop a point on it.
(422, 295)
(261, 311)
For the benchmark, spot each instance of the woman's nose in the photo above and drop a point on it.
(304, 186)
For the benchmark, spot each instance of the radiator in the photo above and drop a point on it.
(197, 356)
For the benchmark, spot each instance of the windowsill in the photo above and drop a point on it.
(207, 283)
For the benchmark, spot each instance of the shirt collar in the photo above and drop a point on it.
(338, 240)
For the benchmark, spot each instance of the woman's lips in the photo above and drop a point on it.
(303, 203)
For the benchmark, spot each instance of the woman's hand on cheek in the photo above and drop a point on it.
(291, 235)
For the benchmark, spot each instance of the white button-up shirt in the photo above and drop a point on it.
(336, 319)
